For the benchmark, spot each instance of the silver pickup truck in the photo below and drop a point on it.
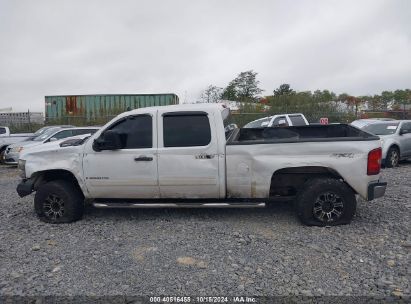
(180, 156)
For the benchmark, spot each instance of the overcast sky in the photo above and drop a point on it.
(109, 47)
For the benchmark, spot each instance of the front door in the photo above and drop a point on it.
(125, 173)
(405, 139)
(188, 160)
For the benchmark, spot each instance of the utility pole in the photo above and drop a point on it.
(28, 119)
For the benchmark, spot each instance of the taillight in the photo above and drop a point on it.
(374, 162)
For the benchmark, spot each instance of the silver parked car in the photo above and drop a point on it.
(11, 157)
(395, 138)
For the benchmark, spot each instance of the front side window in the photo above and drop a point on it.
(258, 123)
(406, 126)
(186, 130)
(2, 130)
(63, 134)
(280, 121)
(136, 132)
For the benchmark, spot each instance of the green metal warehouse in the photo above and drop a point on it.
(66, 108)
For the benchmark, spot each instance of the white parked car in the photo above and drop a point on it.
(6, 138)
(178, 156)
(11, 156)
(296, 119)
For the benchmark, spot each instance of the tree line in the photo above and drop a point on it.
(245, 89)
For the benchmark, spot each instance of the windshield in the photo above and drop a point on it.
(381, 128)
(258, 123)
(45, 134)
(40, 131)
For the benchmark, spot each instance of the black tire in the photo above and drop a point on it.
(324, 197)
(393, 157)
(59, 202)
(2, 151)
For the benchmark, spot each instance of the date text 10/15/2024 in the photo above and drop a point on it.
(205, 299)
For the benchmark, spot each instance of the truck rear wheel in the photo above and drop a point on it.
(58, 202)
(326, 202)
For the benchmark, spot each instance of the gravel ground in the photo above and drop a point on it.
(207, 251)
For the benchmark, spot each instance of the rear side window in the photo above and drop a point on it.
(186, 130)
(2, 130)
(297, 120)
(136, 132)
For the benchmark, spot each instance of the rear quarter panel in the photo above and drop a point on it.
(250, 167)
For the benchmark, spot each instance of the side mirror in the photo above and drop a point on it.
(230, 127)
(404, 131)
(282, 123)
(109, 140)
(53, 139)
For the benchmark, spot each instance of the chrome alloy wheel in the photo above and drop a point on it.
(53, 207)
(394, 158)
(328, 207)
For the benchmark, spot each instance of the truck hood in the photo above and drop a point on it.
(26, 144)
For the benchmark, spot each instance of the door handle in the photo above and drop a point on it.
(205, 156)
(143, 158)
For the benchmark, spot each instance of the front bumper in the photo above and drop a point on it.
(376, 190)
(25, 187)
(11, 158)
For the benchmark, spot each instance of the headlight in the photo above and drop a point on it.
(17, 149)
(22, 167)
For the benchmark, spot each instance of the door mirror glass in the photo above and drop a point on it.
(230, 127)
(109, 140)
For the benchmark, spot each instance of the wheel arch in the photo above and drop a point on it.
(46, 176)
(3, 148)
(396, 146)
(289, 181)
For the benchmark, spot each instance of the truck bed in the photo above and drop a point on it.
(311, 133)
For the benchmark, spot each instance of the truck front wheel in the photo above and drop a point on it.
(58, 202)
(326, 202)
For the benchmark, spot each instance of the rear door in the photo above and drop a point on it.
(187, 155)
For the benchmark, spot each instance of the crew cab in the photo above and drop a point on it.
(180, 156)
